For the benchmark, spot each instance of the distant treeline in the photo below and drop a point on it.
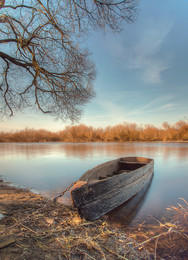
(120, 133)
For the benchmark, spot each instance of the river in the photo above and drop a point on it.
(48, 168)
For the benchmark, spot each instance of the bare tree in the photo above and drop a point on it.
(43, 62)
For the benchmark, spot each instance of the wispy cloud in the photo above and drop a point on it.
(111, 111)
(113, 108)
(110, 108)
(143, 52)
(167, 106)
(155, 105)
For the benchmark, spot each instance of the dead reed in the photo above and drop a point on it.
(40, 229)
(168, 238)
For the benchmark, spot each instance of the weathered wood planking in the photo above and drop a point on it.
(98, 197)
(90, 191)
(113, 199)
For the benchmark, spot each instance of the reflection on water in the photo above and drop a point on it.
(50, 167)
(126, 213)
(29, 151)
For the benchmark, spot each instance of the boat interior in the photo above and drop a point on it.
(115, 167)
(124, 166)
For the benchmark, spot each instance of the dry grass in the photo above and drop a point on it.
(118, 133)
(46, 230)
(168, 238)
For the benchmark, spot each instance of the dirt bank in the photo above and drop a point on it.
(37, 228)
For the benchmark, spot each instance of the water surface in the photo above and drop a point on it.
(50, 167)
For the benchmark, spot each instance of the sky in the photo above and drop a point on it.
(142, 73)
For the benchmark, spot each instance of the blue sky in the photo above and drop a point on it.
(142, 72)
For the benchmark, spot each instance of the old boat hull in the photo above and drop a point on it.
(110, 184)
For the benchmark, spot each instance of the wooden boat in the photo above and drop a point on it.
(110, 184)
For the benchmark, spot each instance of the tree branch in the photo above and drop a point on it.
(16, 61)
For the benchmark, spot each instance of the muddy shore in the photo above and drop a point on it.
(34, 227)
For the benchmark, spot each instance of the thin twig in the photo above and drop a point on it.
(112, 252)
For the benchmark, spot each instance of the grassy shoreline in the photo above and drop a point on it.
(37, 228)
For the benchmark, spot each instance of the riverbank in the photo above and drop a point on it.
(34, 227)
(125, 132)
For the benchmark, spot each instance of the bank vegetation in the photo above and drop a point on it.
(36, 228)
(125, 132)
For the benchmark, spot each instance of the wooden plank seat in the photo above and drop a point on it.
(126, 162)
(130, 165)
(113, 174)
